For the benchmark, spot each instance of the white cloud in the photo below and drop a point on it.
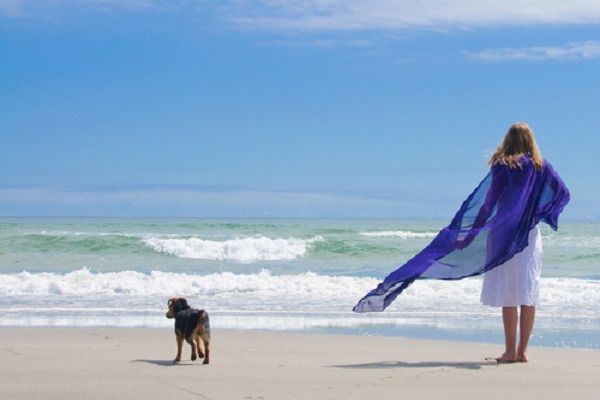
(571, 51)
(43, 8)
(348, 15)
(332, 15)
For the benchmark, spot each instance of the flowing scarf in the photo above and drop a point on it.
(491, 226)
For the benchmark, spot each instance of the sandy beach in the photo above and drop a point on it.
(121, 363)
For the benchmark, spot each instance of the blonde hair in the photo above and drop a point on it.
(519, 141)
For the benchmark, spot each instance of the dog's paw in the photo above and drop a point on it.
(176, 361)
(201, 355)
(194, 357)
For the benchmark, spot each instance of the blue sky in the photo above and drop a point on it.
(319, 108)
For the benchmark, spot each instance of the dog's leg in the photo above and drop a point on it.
(179, 348)
(206, 352)
(199, 347)
(190, 340)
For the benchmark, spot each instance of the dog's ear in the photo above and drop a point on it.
(182, 302)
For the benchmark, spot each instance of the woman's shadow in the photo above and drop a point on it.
(474, 365)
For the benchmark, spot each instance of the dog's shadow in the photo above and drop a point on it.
(162, 363)
(473, 365)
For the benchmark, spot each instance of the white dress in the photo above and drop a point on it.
(517, 281)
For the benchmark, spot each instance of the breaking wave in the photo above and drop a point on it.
(249, 249)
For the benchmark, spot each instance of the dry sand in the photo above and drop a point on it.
(120, 363)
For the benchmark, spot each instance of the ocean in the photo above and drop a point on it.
(295, 275)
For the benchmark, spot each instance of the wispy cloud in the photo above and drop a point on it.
(43, 8)
(571, 51)
(336, 15)
(11, 8)
(183, 201)
(349, 15)
(317, 43)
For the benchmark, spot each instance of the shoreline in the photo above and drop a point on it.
(547, 333)
(132, 363)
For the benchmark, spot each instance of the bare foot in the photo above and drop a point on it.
(506, 358)
(521, 355)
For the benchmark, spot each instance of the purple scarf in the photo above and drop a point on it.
(491, 226)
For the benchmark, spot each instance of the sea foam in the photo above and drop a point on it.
(249, 249)
(275, 293)
(399, 234)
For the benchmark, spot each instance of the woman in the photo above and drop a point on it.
(516, 282)
(494, 232)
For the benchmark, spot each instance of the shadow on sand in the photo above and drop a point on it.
(423, 364)
(161, 363)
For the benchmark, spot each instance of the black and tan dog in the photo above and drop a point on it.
(191, 325)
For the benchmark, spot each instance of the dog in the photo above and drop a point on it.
(191, 325)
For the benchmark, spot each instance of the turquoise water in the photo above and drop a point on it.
(301, 275)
